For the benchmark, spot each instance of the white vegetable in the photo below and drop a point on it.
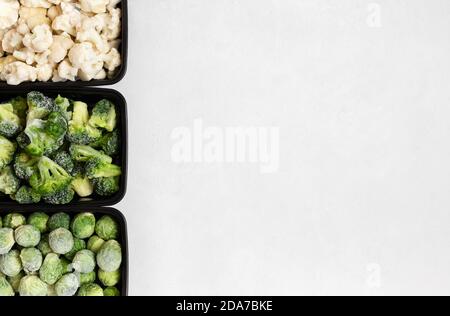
(33, 16)
(112, 60)
(36, 3)
(94, 6)
(25, 54)
(66, 71)
(9, 13)
(44, 72)
(12, 41)
(40, 40)
(61, 45)
(18, 72)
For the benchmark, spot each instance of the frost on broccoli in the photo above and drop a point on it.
(106, 186)
(64, 159)
(9, 183)
(20, 107)
(26, 195)
(109, 143)
(7, 150)
(104, 116)
(10, 124)
(96, 168)
(25, 165)
(83, 153)
(39, 106)
(50, 180)
(80, 131)
(44, 137)
(62, 106)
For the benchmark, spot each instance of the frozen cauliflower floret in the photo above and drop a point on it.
(53, 12)
(93, 37)
(40, 40)
(112, 60)
(12, 40)
(84, 57)
(18, 72)
(9, 13)
(113, 25)
(101, 75)
(3, 63)
(94, 6)
(61, 45)
(2, 33)
(44, 72)
(66, 71)
(43, 58)
(69, 20)
(36, 3)
(23, 28)
(113, 3)
(25, 54)
(33, 16)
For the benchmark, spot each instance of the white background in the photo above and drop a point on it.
(360, 204)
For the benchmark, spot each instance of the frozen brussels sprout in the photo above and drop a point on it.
(52, 269)
(107, 228)
(5, 288)
(10, 263)
(38, 220)
(31, 285)
(83, 225)
(109, 258)
(44, 246)
(31, 259)
(59, 220)
(84, 261)
(111, 291)
(15, 281)
(90, 289)
(14, 220)
(109, 278)
(61, 241)
(6, 240)
(67, 266)
(27, 236)
(67, 285)
(78, 244)
(95, 243)
(86, 278)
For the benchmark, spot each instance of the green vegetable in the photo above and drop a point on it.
(82, 185)
(109, 143)
(39, 106)
(95, 243)
(90, 289)
(67, 285)
(31, 285)
(27, 236)
(10, 263)
(64, 159)
(111, 291)
(97, 168)
(106, 186)
(109, 257)
(104, 116)
(52, 269)
(10, 124)
(107, 228)
(44, 246)
(9, 183)
(109, 278)
(83, 225)
(62, 106)
(20, 107)
(82, 153)
(25, 166)
(61, 241)
(78, 244)
(84, 261)
(31, 259)
(59, 220)
(15, 281)
(7, 150)
(86, 278)
(6, 240)
(26, 195)
(14, 220)
(80, 131)
(39, 220)
(5, 288)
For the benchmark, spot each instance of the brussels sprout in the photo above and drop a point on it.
(109, 258)
(90, 289)
(15, 281)
(31, 259)
(84, 261)
(86, 278)
(52, 269)
(61, 241)
(67, 285)
(59, 220)
(83, 225)
(14, 220)
(78, 244)
(27, 236)
(95, 243)
(107, 228)
(5, 288)
(39, 220)
(67, 266)
(109, 278)
(6, 240)
(10, 263)
(44, 246)
(111, 291)
(31, 285)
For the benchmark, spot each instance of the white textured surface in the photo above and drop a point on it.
(364, 172)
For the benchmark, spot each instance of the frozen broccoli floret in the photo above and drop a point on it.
(9, 183)
(106, 186)
(7, 150)
(10, 124)
(62, 197)
(25, 165)
(83, 153)
(64, 159)
(82, 185)
(109, 143)
(50, 178)
(104, 116)
(62, 106)
(26, 195)
(44, 137)
(80, 131)
(97, 168)
(39, 106)
(20, 107)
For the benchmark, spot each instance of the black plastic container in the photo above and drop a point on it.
(123, 49)
(90, 96)
(98, 212)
